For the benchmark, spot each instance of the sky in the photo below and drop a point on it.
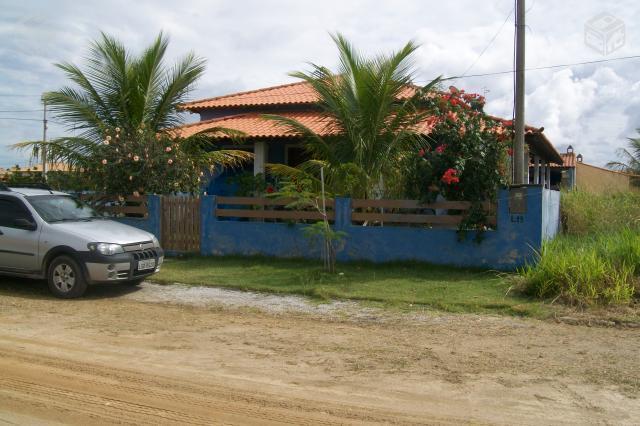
(251, 44)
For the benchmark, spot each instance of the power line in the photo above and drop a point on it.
(21, 119)
(30, 119)
(547, 67)
(12, 95)
(21, 110)
(489, 44)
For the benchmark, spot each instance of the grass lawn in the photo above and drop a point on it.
(399, 285)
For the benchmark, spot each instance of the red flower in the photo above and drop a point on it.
(450, 176)
(453, 116)
(270, 190)
(510, 152)
(421, 152)
(454, 102)
(441, 148)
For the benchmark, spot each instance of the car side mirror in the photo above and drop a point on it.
(25, 224)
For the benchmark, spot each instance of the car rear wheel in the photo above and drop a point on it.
(65, 278)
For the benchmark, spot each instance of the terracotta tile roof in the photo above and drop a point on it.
(568, 160)
(254, 125)
(300, 93)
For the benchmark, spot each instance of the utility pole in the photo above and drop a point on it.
(44, 140)
(518, 145)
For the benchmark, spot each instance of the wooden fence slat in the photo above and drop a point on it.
(414, 204)
(127, 209)
(272, 214)
(250, 201)
(411, 218)
(406, 218)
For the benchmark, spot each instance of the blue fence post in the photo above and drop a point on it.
(342, 209)
(207, 219)
(154, 205)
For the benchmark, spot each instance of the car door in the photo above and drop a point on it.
(18, 246)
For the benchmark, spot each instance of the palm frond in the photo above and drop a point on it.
(177, 84)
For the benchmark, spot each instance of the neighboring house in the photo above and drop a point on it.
(574, 173)
(272, 143)
(27, 170)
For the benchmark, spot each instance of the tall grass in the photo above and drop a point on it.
(597, 258)
(584, 213)
(597, 269)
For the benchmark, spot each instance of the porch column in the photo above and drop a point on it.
(259, 157)
(543, 175)
(548, 176)
(536, 169)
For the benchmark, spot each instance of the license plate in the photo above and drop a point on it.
(146, 264)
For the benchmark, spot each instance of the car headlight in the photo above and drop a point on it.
(106, 249)
(155, 242)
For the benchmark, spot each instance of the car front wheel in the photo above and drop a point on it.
(65, 278)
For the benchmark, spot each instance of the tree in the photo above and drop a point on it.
(630, 158)
(374, 110)
(122, 109)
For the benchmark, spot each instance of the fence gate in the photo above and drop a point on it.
(181, 224)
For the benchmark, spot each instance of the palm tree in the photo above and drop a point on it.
(630, 158)
(373, 106)
(119, 90)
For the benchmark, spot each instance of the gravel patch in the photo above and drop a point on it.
(203, 297)
(180, 294)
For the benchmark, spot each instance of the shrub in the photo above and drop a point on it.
(466, 155)
(584, 213)
(597, 260)
(599, 269)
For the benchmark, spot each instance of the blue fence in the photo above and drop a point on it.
(152, 222)
(514, 242)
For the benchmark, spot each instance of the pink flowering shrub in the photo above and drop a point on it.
(143, 162)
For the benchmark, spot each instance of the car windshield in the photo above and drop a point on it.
(62, 208)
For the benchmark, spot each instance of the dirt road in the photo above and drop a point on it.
(117, 357)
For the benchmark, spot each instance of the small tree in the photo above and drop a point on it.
(304, 196)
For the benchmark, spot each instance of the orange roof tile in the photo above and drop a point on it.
(254, 125)
(300, 93)
(568, 160)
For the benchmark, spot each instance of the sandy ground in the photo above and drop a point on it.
(172, 354)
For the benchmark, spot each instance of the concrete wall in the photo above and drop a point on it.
(595, 179)
(509, 246)
(550, 214)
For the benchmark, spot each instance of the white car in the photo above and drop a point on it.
(52, 235)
